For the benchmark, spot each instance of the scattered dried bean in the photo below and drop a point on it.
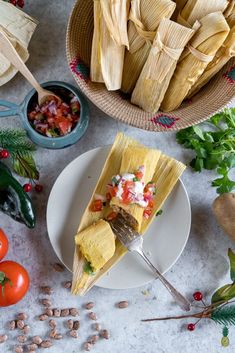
(67, 284)
(74, 312)
(64, 312)
(93, 339)
(58, 267)
(49, 312)
(56, 312)
(97, 327)
(73, 333)
(53, 333)
(26, 329)
(22, 316)
(37, 340)
(76, 325)
(19, 349)
(87, 346)
(32, 347)
(3, 338)
(45, 302)
(105, 334)
(52, 323)
(46, 344)
(89, 305)
(123, 304)
(22, 338)
(43, 317)
(11, 325)
(69, 324)
(20, 324)
(58, 336)
(46, 290)
(92, 316)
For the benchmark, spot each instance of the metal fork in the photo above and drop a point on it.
(133, 242)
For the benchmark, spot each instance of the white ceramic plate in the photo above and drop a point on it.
(164, 241)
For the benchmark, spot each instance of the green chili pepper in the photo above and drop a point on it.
(13, 199)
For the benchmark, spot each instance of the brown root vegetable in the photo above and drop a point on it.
(224, 211)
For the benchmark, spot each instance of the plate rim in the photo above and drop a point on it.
(132, 286)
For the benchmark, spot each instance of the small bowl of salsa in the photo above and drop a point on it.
(53, 124)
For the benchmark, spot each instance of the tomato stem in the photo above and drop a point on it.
(3, 281)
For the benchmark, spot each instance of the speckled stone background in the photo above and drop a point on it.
(202, 266)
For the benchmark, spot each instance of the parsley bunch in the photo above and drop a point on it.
(214, 145)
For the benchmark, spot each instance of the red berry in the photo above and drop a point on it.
(13, 2)
(197, 296)
(38, 188)
(4, 154)
(191, 327)
(27, 187)
(20, 3)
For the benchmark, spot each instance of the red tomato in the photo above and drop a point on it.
(147, 213)
(3, 244)
(129, 184)
(108, 196)
(15, 280)
(151, 204)
(111, 216)
(96, 206)
(126, 197)
(139, 175)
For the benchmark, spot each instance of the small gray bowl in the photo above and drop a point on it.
(21, 110)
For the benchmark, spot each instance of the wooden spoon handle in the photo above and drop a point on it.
(8, 50)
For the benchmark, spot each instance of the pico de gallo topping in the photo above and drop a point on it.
(54, 118)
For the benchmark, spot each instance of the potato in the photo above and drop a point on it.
(224, 211)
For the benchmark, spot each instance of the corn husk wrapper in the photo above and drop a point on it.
(144, 20)
(154, 79)
(195, 10)
(19, 28)
(166, 175)
(96, 243)
(223, 55)
(230, 9)
(133, 158)
(194, 60)
(109, 41)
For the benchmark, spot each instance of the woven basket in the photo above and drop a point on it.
(217, 94)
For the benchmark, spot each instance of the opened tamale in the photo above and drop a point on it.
(109, 41)
(154, 79)
(223, 55)
(194, 10)
(134, 157)
(144, 20)
(165, 176)
(97, 244)
(195, 58)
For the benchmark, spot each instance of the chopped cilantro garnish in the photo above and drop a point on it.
(159, 212)
(88, 268)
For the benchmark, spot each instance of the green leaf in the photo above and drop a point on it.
(226, 292)
(231, 256)
(198, 132)
(225, 331)
(25, 166)
(197, 164)
(224, 316)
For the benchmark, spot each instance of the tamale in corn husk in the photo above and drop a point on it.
(194, 10)
(195, 58)
(96, 243)
(154, 79)
(144, 20)
(230, 9)
(133, 158)
(165, 177)
(223, 55)
(109, 41)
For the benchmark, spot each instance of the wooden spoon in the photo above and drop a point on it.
(8, 50)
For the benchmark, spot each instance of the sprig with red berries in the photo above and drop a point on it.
(221, 310)
(18, 150)
(19, 3)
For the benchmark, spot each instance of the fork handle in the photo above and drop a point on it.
(179, 298)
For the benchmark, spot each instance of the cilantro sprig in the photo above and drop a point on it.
(214, 145)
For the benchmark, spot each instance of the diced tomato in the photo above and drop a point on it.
(96, 206)
(108, 196)
(147, 213)
(151, 204)
(113, 190)
(139, 175)
(65, 126)
(111, 216)
(128, 184)
(147, 195)
(126, 197)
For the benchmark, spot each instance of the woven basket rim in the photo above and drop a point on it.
(138, 123)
